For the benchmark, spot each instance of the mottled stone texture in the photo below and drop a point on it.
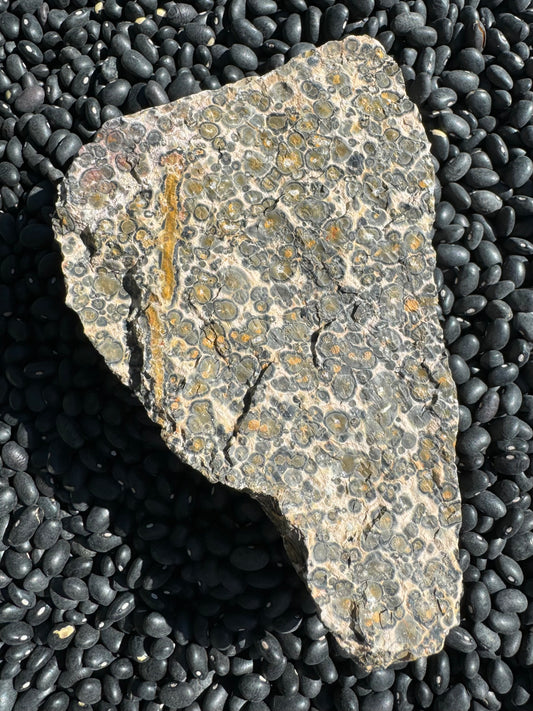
(255, 263)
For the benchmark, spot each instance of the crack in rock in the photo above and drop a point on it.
(247, 402)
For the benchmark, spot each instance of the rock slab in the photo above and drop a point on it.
(255, 263)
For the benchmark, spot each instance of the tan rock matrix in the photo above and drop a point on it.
(255, 263)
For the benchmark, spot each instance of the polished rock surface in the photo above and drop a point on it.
(255, 262)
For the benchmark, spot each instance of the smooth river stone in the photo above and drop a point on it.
(255, 262)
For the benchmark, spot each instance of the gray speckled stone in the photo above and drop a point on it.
(255, 262)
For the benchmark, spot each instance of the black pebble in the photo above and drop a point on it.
(457, 195)
(518, 171)
(509, 569)
(404, 22)
(442, 98)
(9, 25)
(67, 149)
(253, 687)
(243, 57)
(489, 504)
(30, 52)
(9, 175)
(521, 113)
(184, 85)
(334, 22)
(499, 77)
(55, 558)
(482, 177)
(455, 168)
(457, 698)
(14, 456)
(89, 691)
(8, 500)
(496, 149)
(471, 391)
(29, 99)
(485, 201)
(24, 525)
(177, 695)
(511, 600)
(116, 92)
(520, 546)
(199, 34)
(380, 701)
(478, 602)
(461, 81)
(452, 255)
(146, 47)
(247, 33)
(381, 679)
(262, 7)
(136, 65)
(249, 558)
(15, 633)
(123, 604)
(39, 130)
(500, 676)
(290, 703)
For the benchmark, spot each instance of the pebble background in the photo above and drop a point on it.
(128, 583)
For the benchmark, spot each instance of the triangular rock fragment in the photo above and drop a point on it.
(255, 263)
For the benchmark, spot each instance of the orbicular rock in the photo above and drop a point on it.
(255, 263)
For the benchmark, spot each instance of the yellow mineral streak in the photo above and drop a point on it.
(171, 225)
(156, 349)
